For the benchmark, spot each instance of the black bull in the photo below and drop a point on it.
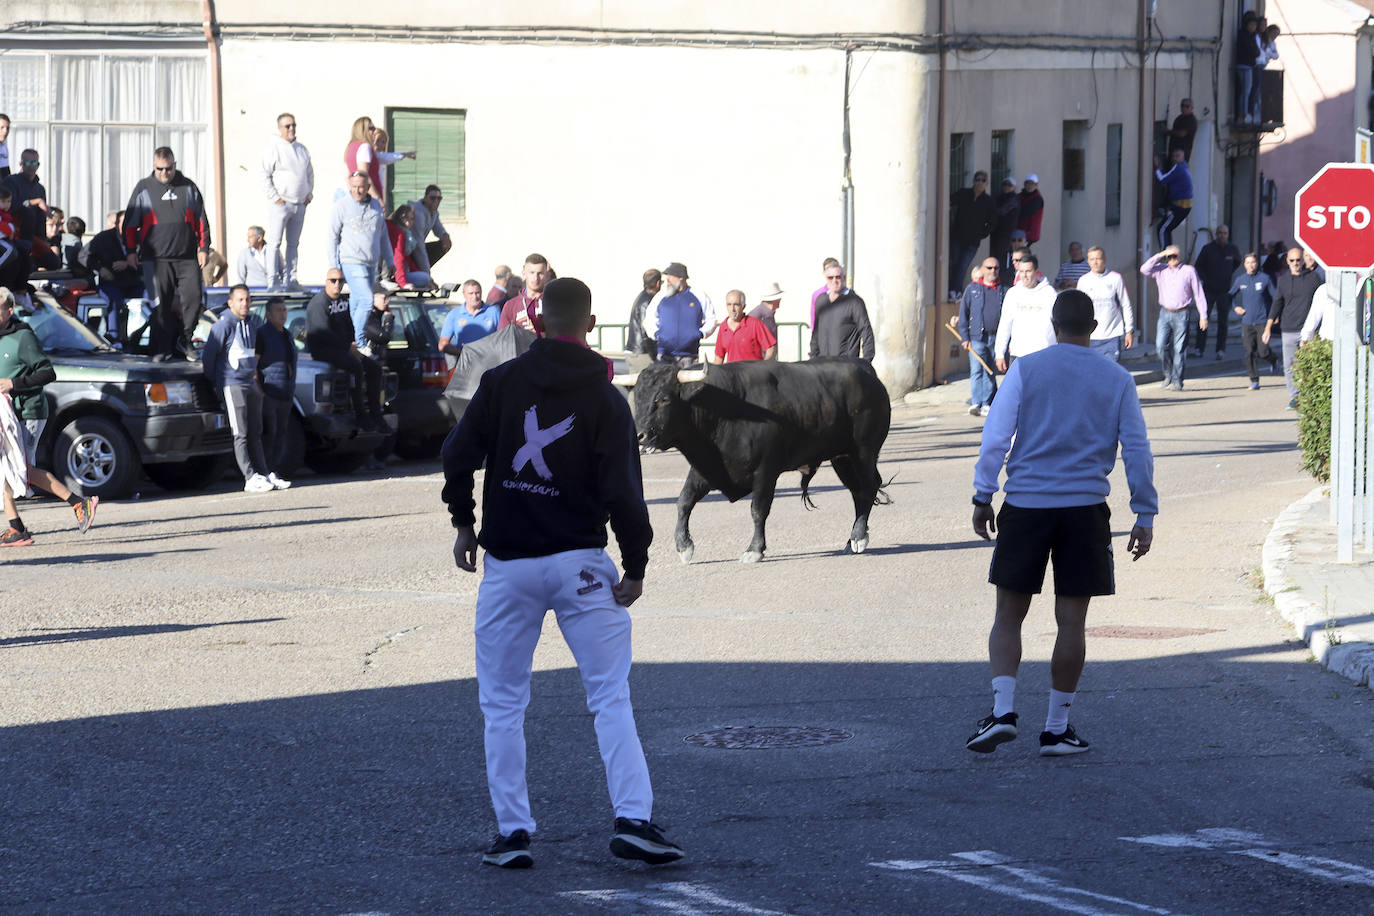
(745, 423)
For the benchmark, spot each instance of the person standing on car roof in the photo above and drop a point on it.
(230, 361)
(24, 370)
(329, 338)
(277, 378)
(165, 222)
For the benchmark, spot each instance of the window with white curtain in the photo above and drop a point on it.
(96, 118)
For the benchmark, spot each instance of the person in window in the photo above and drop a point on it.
(1247, 62)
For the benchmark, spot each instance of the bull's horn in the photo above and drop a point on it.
(687, 376)
(625, 380)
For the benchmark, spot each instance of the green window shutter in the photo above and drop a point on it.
(438, 139)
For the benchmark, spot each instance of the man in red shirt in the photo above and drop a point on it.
(742, 337)
(521, 309)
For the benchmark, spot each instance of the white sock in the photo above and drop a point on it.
(1003, 695)
(1058, 718)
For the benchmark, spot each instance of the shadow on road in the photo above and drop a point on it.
(81, 634)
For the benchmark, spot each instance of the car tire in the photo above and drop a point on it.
(192, 474)
(94, 457)
(336, 462)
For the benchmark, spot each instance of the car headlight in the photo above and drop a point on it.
(324, 389)
(168, 394)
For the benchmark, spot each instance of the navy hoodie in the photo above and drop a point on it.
(230, 357)
(276, 363)
(562, 459)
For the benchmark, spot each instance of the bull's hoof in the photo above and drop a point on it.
(858, 545)
(751, 556)
(686, 555)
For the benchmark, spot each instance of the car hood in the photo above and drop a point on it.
(120, 367)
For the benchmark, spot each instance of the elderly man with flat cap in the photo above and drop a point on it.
(681, 319)
(770, 300)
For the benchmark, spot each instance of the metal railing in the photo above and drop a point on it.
(793, 339)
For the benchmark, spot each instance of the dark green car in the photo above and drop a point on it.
(113, 417)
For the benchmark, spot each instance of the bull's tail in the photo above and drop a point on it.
(882, 498)
(807, 474)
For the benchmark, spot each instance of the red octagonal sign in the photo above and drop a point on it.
(1334, 216)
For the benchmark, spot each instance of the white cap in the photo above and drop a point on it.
(1033, 178)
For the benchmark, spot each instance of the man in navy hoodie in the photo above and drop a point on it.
(559, 447)
(277, 378)
(230, 361)
(980, 309)
(1067, 410)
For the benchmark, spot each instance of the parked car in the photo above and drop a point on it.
(414, 355)
(113, 415)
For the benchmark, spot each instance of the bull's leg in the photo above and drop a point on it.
(861, 478)
(693, 489)
(765, 482)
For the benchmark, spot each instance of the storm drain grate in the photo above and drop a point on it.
(1121, 632)
(764, 737)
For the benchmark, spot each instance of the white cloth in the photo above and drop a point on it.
(1025, 324)
(511, 603)
(1321, 317)
(286, 172)
(14, 465)
(1111, 305)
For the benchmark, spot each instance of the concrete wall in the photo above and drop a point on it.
(1318, 52)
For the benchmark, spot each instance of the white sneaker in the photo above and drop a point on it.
(277, 483)
(366, 350)
(984, 410)
(258, 484)
(1221, 354)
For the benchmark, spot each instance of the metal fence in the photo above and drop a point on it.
(793, 340)
(1352, 472)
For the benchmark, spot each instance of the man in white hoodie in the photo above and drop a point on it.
(287, 178)
(1025, 324)
(1062, 413)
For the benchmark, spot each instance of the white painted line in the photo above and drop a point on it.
(688, 898)
(981, 862)
(1255, 846)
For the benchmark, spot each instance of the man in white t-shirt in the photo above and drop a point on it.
(1025, 326)
(1111, 306)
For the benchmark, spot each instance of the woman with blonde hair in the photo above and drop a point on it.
(360, 156)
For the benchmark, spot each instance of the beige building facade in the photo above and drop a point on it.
(748, 140)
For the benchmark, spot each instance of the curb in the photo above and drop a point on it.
(1354, 661)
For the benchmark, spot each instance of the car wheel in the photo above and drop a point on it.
(336, 462)
(192, 474)
(94, 457)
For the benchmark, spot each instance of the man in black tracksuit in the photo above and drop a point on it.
(558, 444)
(841, 327)
(329, 338)
(165, 222)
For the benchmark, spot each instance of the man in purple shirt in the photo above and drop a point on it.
(1179, 288)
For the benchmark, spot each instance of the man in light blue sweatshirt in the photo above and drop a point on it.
(1067, 409)
(357, 239)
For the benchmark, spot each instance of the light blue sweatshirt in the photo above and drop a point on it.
(1067, 408)
(357, 232)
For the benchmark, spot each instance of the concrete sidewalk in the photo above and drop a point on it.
(1330, 604)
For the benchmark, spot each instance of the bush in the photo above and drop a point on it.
(1312, 375)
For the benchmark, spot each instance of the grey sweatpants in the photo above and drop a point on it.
(244, 406)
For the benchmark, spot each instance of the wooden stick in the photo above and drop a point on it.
(951, 328)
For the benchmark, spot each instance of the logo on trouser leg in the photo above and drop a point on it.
(591, 582)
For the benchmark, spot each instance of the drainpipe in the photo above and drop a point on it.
(1145, 180)
(938, 281)
(216, 119)
(847, 186)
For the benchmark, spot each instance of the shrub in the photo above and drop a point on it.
(1312, 374)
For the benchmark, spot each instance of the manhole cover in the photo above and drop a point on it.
(762, 737)
(1122, 632)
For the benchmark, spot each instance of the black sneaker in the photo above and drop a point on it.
(1061, 745)
(643, 841)
(992, 731)
(509, 851)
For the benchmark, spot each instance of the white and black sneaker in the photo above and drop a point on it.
(643, 841)
(509, 851)
(992, 731)
(1052, 745)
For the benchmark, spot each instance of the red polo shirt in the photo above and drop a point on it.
(748, 341)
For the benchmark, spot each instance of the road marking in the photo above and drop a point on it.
(973, 867)
(1255, 846)
(685, 897)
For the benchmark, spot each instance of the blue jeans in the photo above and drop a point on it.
(1171, 340)
(1290, 351)
(1110, 348)
(982, 386)
(960, 260)
(360, 279)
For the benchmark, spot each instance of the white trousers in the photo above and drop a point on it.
(511, 603)
(286, 220)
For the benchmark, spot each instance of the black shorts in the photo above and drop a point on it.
(1079, 538)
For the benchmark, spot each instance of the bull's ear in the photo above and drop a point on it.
(687, 376)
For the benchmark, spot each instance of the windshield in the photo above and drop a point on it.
(58, 330)
(295, 321)
(437, 312)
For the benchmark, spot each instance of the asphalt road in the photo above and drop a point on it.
(224, 702)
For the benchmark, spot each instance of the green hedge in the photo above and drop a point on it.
(1312, 373)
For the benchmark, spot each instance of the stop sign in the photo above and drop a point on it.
(1334, 216)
